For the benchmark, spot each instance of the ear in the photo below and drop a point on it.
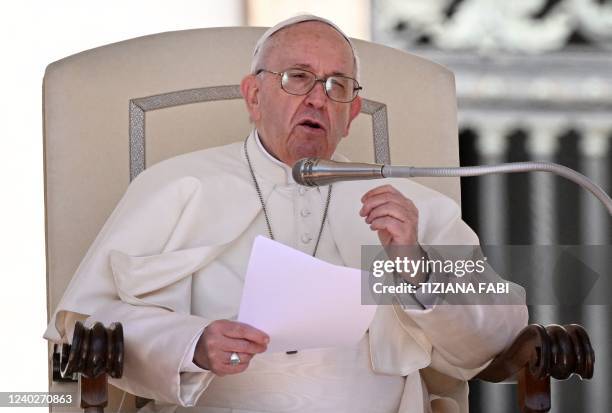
(354, 111)
(249, 88)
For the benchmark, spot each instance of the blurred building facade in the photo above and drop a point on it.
(534, 82)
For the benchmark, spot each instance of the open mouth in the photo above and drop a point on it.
(311, 124)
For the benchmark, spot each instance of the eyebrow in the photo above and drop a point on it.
(310, 68)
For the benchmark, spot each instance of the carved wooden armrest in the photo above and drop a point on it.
(94, 353)
(537, 354)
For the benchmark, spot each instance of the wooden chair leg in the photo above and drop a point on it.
(94, 393)
(533, 393)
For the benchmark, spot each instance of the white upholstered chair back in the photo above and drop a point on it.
(114, 110)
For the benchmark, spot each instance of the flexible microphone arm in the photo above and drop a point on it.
(316, 172)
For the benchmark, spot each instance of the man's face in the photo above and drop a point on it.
(284, 121)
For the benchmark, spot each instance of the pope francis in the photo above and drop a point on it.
(169, 263)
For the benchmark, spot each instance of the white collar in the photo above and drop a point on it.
(288, 177)
(266, 166)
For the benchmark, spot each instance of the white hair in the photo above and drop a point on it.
(256, 60)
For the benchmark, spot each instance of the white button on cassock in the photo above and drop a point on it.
(305, 212)
(306, 238)
(301, 190)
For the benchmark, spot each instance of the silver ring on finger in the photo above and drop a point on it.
(234, 359)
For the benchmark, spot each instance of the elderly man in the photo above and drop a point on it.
(169, 263)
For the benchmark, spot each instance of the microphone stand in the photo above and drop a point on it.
(316, 172)
(389, 171)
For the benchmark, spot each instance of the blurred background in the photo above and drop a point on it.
(534, 82)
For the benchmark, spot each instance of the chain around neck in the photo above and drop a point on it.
(263, 204)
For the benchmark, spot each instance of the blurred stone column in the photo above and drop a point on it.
(491, 145)
(595, 163)
(595, 230)
(542, 145)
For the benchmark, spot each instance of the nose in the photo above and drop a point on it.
(317, 96)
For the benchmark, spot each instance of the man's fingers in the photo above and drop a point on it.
(393, 231)
(223, 337)
(374, 201)
(245, 358)
(241, 346)
(245, 331)
(223, 365)
(381, 223)
(223, 369)
(380, 199)
(220, 362)
(390, 210)
(392, 225)
(378, 190)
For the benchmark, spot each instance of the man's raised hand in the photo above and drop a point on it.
(393, 216)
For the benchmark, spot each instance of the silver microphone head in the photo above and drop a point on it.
(318, 172)
(302, 170)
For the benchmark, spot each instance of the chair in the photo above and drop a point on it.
(183, 87)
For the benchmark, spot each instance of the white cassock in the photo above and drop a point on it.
(172, 258)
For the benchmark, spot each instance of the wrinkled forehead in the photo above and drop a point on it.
(310, 44)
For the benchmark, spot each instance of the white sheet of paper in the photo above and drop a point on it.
(302, 302)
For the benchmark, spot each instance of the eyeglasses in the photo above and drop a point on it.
(300, 82)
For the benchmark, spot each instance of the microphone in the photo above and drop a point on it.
(318, 172)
